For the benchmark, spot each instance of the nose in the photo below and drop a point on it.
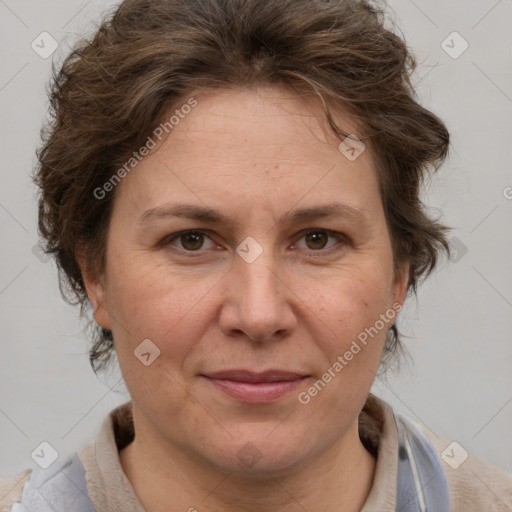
(257, 302)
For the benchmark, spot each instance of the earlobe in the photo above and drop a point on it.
(95, 290)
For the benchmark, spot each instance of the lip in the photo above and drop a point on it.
(256, 387)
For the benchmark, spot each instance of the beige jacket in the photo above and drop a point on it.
(475, 486)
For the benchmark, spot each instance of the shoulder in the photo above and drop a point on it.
(12, 489)
(442, 468)
(60, 488)
(474, 483)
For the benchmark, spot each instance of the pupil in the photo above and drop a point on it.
(315, 237)
(191, 236)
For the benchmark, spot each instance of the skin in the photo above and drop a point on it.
(255, 155)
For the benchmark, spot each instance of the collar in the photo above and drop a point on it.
(110, 489)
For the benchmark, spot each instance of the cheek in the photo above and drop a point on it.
(351, 352)
(160, 307)
(352, 303)
(158, 304)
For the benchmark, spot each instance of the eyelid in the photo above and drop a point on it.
(176, 236)
(334, 234)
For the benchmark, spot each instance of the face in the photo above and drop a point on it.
(281, 292)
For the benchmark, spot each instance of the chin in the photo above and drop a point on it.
(258, 455)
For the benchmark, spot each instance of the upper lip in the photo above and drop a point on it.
(250, 376)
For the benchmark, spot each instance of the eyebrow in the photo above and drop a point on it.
(208, 215)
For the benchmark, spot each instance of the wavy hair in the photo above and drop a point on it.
(146, 56)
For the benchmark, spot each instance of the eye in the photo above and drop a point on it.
(191, 241)
(317, 239)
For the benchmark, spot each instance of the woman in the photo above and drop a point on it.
(232, 186)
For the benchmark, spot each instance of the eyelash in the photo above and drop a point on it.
(341, 237)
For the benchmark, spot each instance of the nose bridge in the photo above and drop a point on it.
(261, 285)
(258, 306)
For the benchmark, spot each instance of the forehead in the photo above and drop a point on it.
(261, 121)
(238, 147)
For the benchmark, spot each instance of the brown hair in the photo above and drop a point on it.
(113, 89)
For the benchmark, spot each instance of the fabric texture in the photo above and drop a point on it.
(411, 474)
(421, 480)
(63, 488)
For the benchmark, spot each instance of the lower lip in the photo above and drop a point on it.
(256, 392)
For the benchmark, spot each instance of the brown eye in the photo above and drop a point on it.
(317, 239)
(191, 241)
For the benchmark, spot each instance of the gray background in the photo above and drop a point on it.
(460, 381)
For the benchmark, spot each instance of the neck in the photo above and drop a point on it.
(170, 479)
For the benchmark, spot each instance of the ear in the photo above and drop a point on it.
(401, 283)
(95, 288)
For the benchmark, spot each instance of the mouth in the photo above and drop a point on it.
(252, 387)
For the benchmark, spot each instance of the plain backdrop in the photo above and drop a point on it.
(459, 383)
